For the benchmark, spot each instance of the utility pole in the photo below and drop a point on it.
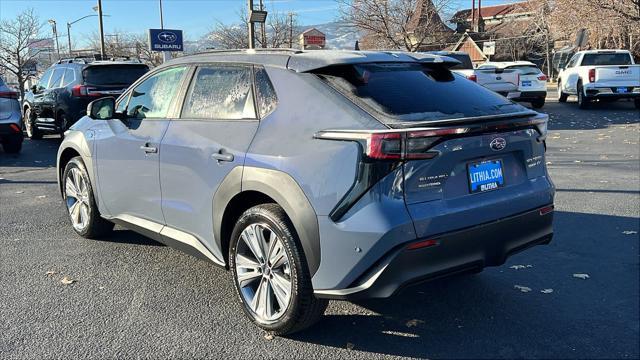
(480, 16)
(69, 38)
(290, 30)
(473, 16)
(252, 38)
(263, 28)
(55, 35)
(102, 52)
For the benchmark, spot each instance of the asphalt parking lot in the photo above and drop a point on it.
(132, 297)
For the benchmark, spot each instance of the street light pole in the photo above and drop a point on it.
(102, 52)
(55, 34)
(69, 38)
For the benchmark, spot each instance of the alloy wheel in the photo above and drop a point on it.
(263, 272)
(77, 199)
(28, 125)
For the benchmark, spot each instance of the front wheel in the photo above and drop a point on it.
(29, 123)
(78, 196)
(270, 272)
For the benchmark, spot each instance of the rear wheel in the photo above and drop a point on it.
(12, 144)
(562, 97)
(538, 103)
(29, 123)
(270, 272)
(78, 196)
(583, 101)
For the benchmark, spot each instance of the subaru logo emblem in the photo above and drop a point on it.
(498, 77)
(498, 144)
(167, 37)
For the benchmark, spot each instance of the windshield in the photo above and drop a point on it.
(408, 92)
(606, 59)
(121, 75)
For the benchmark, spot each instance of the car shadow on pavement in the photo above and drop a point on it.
(487, 315)
(124, 236)
(598, 116)
(39, 154)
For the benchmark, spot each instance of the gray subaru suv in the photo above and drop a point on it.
(313, 175)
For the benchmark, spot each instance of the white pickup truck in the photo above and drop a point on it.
(606, 75)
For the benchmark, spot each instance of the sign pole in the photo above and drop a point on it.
(166, 56)
(252, 39)
(102, 52)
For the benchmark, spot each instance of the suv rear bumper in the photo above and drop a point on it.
(470, 249)
(531, 95)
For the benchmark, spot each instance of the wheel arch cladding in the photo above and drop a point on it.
(260, 185)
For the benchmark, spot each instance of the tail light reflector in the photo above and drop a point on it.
(473, 77)
(422, 244)
(545, 210)
(8, 94)
(592, 75)
(15, 128)
(542, 77)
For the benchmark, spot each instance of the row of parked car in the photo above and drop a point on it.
(594, 75)
(61, 96)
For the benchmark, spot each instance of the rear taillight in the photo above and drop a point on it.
(592, 75)
(83, 91)
(15, 128)
(8, 95)
(542, 77)
(545, 210)
(473, 77)
(422, 244)
(416, 143)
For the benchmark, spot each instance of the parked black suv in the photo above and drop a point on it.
(61, 96)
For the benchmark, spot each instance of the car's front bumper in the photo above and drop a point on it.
(465, 250)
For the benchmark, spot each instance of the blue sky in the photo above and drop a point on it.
(195, 17)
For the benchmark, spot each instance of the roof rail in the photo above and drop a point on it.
(249, 51)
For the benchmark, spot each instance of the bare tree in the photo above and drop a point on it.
(16, 36)
(397, 24)
(279, 28)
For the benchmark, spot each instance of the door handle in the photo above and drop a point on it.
(222, 155)
(149, 149)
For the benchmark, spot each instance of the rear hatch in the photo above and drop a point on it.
(502, 81)
(531, 78)
(106, 79)
(468, 155)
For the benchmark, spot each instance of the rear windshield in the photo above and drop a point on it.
(526, 69)
(606, 59)
(123, 75)
(406, 92)
(465, 61)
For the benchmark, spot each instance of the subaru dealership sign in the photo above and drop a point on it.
(165, 40)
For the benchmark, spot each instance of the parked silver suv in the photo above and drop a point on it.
(313, 175)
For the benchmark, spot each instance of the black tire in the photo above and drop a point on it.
(96, 227)
(562, 97)
(29, 123)
(12, 144)
(304, 308)
(63, 123)
(538, 103)
(583, 101)
(636, 102)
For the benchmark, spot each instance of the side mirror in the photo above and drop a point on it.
(34, 88)
(102, 109)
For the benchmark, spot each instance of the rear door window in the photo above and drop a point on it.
(606, 59)
(407, 92)
(220, 92)
(116, 75)
(69, 77)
